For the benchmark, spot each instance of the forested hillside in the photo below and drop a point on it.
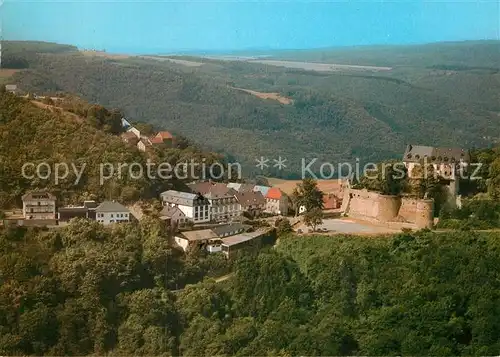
(444, 97)
(86, 289)
(84, 137)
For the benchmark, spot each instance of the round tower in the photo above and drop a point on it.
(425, 214)
(388, 208)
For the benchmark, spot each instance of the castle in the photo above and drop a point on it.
(394, 210)
(403, 211)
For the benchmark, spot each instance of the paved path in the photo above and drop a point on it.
(346, 226)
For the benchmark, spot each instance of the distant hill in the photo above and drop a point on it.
(439, 94)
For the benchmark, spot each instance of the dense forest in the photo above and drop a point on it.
(85, 289)
(434, 99)
(84, 137)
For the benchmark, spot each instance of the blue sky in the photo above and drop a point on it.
(169, 26)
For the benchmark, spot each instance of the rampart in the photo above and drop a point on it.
(374, 206)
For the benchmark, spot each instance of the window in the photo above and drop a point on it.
(111, 215)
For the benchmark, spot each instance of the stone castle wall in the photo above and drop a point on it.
(385, 209)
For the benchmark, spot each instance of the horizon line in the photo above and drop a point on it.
(202, 51)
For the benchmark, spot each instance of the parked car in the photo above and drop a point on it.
(324, 229)
(299, 231)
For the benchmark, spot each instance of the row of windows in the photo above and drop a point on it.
(111, 221)
(202, 216)
(222, 209)
(118, 215)
(222, 201)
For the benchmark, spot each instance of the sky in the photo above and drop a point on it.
(225, 25)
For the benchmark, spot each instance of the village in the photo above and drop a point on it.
(227, 216)
(219, 217)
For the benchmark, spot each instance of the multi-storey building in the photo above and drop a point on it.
(194, 206)
(110, 212)
(276, 202)
(448, 163)
(223, 203)
(39, 206)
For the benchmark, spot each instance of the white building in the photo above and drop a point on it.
(195, 207)
(223, 203)
(276, 202)
(110, 212)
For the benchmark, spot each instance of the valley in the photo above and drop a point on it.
(432, 95)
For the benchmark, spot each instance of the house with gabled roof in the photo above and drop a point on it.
(252, 202)
(174, 216)
(276, 202)
(39, 205)
(109, 212)
(163, 137)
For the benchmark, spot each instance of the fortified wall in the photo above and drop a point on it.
(373, 206)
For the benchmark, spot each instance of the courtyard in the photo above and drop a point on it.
(348, 226)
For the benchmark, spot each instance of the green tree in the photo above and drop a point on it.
(283, 226)
(388, 178)
(313, 218)
(308, 195)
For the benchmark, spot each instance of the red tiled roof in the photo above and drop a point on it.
(330, 201)
(274, 193)
(164, 135)
(156, 140)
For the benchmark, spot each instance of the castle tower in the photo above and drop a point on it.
(424, 214)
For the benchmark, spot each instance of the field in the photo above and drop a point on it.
(6, 75)
(273, 96)
(116, 56)
(287, 186)
(321, 67)
(174, 60)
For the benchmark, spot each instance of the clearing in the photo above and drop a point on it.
(55, 109)
(262, 95)
(7, 73)
(176, 61)
(105, 54)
